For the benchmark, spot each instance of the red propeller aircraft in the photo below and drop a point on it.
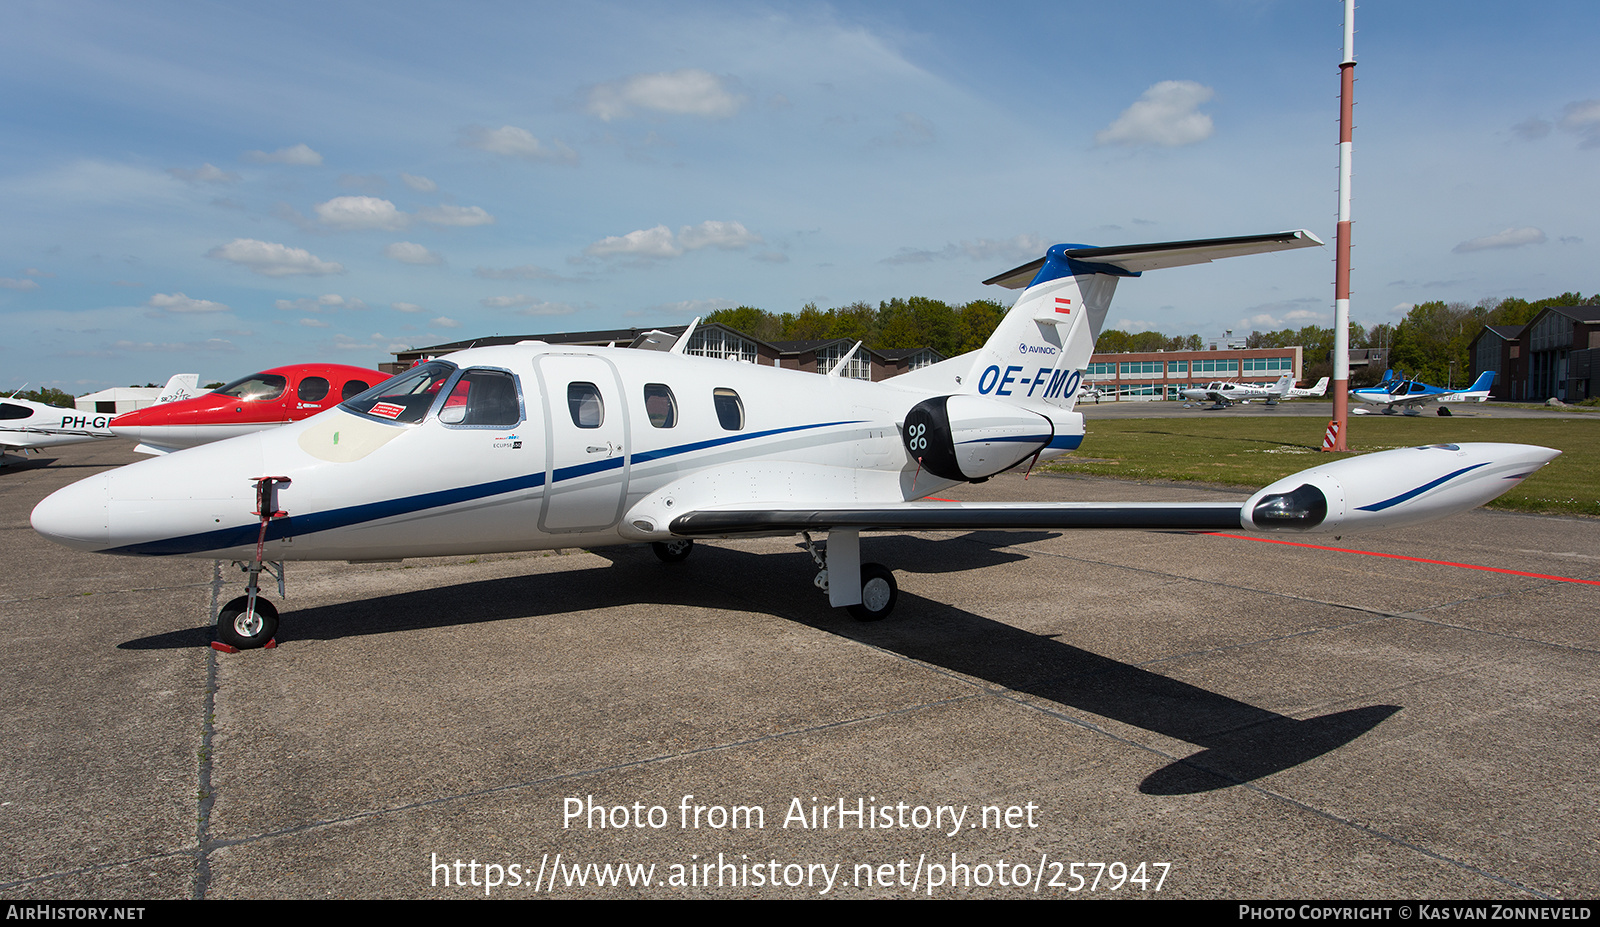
(249, 404)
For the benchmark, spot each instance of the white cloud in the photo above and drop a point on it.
(913, 130)
(205, 173)
(361, 212)
(528, 305)
(317, 304)
(648, 243)
(272, 259)
(520, 272)
(409, 252)
(177, 302)
(216, 345)
(405, 307)
(729, 236)
(456, 215)
(686, 92)
(1020, 248)
(442, 322)
(1509, 238)
(516, 143)
(1166, 116)
(694, 307)
(659, 242)
(1583, 119)
(11, 283)
(419, 184)
(316, 323)
(300, 154)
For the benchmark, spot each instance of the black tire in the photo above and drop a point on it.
(247, 632)
(676, 550)
(1444, 411)
(878, 593)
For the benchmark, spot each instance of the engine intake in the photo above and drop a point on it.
(969, 438)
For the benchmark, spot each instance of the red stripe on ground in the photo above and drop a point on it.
(1371, 553)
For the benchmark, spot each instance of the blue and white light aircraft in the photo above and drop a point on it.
(1409, 396)
(538, 446)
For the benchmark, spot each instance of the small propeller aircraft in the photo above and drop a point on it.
(538, 446)
(1410, 396)
(27, 426)
(253, 403)
(1223, 394)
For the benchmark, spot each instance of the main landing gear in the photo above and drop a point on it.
(251, 621)
(866, 590)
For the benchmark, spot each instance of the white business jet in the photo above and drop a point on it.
(535, 446)
(28, 426)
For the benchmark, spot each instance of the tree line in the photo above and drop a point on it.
(1430, 343)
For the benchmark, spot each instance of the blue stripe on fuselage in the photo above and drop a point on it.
(302, 525)
(1412, 494)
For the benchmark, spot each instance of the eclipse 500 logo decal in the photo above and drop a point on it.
(1058, 384)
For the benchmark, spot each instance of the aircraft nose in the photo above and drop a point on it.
(77, 516)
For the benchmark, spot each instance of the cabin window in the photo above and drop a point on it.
(353, 388)
(11, 411)
(660, 405)
(583, 401)
(406, 398)
(313, 389)
(730, 411)
(486, 398)
(257, 387)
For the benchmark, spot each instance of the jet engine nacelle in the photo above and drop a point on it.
(1391, 489)
(971, 437)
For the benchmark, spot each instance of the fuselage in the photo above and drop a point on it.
(28, 425)
(249, 404)
(520, 447)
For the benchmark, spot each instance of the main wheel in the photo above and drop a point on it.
(239, 627)
(1444, 411)
(676, 550)
(878, 593)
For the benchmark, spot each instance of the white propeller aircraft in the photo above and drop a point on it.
(1223, 394)
(536, 446)
(27, 426)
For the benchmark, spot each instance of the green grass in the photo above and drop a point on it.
(1235, 451)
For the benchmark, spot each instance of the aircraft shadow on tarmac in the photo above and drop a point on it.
(1240, 742)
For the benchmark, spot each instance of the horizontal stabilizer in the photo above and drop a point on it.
(1138, 258)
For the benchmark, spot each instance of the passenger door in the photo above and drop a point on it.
(586, 442)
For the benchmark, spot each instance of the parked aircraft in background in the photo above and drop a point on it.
(27, 426)
(537, 446)
(253, 403)
(1312, 392)
(1410, 396)
(1223, 394)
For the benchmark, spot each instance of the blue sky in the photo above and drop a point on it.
(224, 187)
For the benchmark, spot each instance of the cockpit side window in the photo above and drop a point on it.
(257, 387)
(13, 411)
(660, 405)
(583, 401)
(483, 398)
(405, 398)
(730, 410)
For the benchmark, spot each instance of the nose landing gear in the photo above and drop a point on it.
(250, 622)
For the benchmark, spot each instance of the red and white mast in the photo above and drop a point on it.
(1341, 283)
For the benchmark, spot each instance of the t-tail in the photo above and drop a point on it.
(1038, 354)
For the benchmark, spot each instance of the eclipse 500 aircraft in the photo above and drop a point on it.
(536, 446)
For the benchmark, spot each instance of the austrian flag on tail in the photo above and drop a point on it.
(1063, 306)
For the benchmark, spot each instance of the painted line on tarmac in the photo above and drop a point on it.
(1372, 553)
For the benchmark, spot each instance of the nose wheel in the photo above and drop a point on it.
(245, 624)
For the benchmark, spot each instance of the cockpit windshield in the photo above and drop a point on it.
(257, 387)
(406, 398)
